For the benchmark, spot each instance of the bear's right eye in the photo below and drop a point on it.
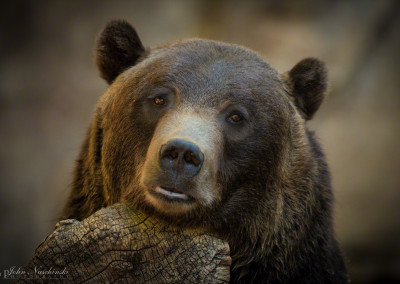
(159, 101)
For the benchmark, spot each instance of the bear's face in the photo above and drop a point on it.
(194, 127)
(190, 119)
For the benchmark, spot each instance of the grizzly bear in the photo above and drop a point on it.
(204, 134)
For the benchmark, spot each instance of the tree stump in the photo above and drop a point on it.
(120, 245)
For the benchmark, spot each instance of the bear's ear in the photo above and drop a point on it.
(307, 84)
(118, 47)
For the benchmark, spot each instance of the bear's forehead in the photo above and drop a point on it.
(204, 70)
(212, 58)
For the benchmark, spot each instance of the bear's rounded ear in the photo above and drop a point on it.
(307, 83)
(118, 47)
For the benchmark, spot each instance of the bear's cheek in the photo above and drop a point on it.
(170, 190)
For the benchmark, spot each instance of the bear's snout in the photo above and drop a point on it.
(179, 172)
(180, 158)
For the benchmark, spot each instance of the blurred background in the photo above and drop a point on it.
(49, 86)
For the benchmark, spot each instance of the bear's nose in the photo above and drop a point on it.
(180, 157)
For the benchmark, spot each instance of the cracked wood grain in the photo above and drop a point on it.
(120, 245)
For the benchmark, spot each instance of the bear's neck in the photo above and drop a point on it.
(297, 238)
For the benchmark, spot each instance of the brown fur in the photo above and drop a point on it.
(264, 185)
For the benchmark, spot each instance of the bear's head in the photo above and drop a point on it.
(201, 133)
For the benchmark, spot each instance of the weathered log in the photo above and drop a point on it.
(120, 245)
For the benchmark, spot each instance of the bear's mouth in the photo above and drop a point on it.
(170, 194)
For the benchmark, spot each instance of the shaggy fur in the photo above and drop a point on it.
(265, 187)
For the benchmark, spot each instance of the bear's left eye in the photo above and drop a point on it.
(159, 101)
(235, 118)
